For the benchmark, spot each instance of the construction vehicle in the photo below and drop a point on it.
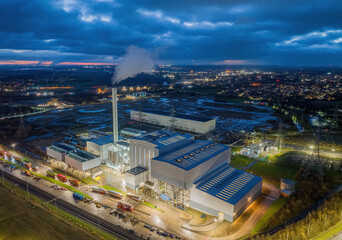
(74, 182)
(78, 196)
(62, 178)
(98, 205)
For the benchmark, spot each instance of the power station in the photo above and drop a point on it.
(177, 168)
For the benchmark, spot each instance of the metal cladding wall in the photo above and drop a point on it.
(55, 154)
(133, 181)
(244, 202)
(86, 165)
(206, 203)
(189, 125)
(181, 178)
(142, 152)
(212, 205)
(98, 149)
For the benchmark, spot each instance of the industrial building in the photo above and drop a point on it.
(131, 132)
(73, 156)
(192, 124)
(99, 146)
(187, 172)
(82, 160)
(118, 156)
(254, 150)
(135, 177)
(145, 147)
(59, 150)
(287, 187)
(225, 192)
(182, 167)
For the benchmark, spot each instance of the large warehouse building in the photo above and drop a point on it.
(193, 124)
(76, 158)
(188, 172)
(185, 165)
(59, 150)
(225, 192)
(82, 160)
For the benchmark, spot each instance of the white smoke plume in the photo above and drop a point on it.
(135, 61)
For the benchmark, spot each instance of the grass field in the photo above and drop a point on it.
(331, 232)
(272, 171)
(32, 223)
(242, 161)
(148, 204)
(276, 206)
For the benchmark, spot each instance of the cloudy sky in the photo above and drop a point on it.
(288, 32)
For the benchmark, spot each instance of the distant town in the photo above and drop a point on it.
(184, 152)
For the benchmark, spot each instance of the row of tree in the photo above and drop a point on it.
(313, 224)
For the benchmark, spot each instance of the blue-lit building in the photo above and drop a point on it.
(183, 166)
(188, 172)
(225, 192)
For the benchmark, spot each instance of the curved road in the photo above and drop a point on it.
(301, 215)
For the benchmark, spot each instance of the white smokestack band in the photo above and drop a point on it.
(115, 115)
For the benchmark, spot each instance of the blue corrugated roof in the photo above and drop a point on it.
(163, 138)
(228, 184)
(103, 140)
(193, 154)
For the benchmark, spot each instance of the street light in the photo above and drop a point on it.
(311, 147)
(13, 145)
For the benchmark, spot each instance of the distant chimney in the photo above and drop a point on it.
(115, 115)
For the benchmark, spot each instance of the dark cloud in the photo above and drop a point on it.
(264, 31)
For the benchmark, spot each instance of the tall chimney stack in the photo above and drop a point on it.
(115, 115)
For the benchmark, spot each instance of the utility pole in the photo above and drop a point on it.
(314, 164)
(172, 120)
(279, 142)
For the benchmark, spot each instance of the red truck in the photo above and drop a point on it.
(74, 182)
(125, 206)
(62, 178)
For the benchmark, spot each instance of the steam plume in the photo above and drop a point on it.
(135, 61)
